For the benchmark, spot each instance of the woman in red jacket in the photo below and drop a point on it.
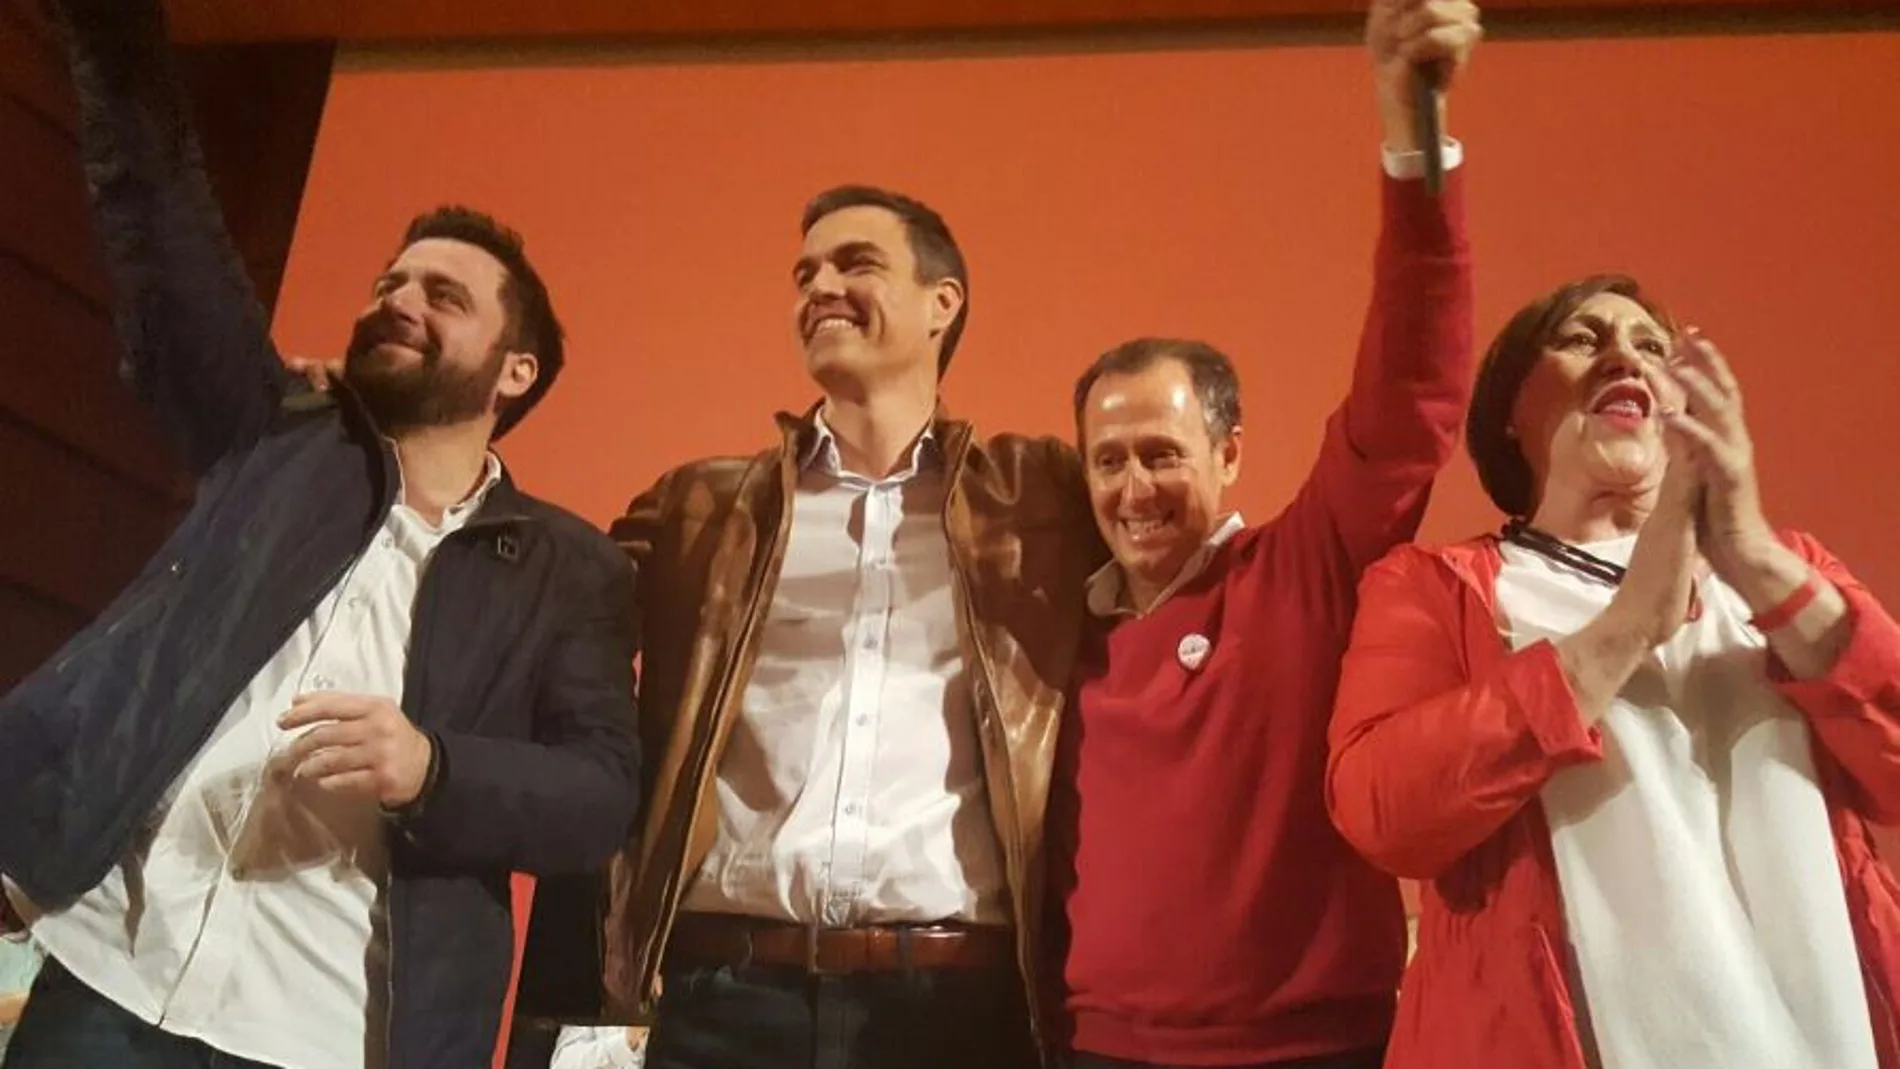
(1631, 743)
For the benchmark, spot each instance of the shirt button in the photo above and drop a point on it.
(851, 809)
(356, 601)
(862, 721)
(389, 541)
(870, 642)
(323, 682)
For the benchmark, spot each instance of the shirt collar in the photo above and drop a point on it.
(821, 453)
(454, 514)
(1108, 587)
(491, 474)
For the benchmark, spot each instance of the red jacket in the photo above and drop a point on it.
(1442, 739)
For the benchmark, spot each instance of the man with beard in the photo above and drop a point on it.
(264, 810)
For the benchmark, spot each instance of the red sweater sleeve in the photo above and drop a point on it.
(1854, 710)
(1410, 385)
(1432, 752)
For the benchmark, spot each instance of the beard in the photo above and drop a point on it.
(426, 393)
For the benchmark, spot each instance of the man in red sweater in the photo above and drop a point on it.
(1214, 916)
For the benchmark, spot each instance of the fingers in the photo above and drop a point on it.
(1696, 351)
(1702, 383)
(1703, 397)
(315, 372)
(331, 735)
(1694, 437)
(335, 761)
(1437, 31)
(326, 705)
(362, 784)
(1692, 441)
(1449, 45)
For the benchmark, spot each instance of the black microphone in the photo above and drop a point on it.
(1425, 124)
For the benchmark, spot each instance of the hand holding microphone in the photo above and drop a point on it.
(1419, 47)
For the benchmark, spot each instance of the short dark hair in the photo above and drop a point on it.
(532, 326)
(931, 245)
(1499, 456)
(1215, 381)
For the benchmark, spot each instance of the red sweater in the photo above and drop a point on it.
(1214, 915)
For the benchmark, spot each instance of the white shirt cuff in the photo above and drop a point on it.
(1409, 165)
(596, 1048)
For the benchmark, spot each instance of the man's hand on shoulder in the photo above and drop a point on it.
(315, 372)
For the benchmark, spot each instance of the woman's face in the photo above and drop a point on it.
(1588, 416)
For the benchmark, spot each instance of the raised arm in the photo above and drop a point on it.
(195, 342)
(1412, 376)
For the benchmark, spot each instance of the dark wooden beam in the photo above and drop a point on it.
(384, 21)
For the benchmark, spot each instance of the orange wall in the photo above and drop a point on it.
(1224, 193)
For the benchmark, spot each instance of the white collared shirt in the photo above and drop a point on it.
(851, 791)
(249, 913)
(1108, 587)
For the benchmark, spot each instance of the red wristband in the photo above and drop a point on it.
(1783, 614)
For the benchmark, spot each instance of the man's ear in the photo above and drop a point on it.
(519, 372)
(1230, 458)
(946, 304)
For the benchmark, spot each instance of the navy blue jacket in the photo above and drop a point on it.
(520, 658)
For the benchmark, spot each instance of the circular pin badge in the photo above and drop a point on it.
(1192, 651)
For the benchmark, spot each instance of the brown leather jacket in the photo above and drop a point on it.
(709, 539)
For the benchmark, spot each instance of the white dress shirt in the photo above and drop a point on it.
(1700, 884)
(851, 791)
(249, 913)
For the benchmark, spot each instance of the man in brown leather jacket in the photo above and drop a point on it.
(856, 648)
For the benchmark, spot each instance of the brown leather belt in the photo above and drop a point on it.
(702, 940)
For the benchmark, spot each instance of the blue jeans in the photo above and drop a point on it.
(765, 1017)
(68, 1025)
